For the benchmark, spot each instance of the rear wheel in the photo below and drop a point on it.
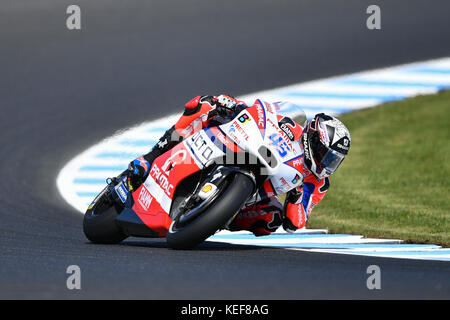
(219, 212)
(99, 223)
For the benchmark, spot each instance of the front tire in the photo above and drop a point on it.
(99, 223)
(227, 204)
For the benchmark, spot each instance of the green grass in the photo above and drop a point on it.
(395, 181)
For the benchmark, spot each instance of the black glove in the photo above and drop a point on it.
(293, 197)
(227, 106)
(288, 225)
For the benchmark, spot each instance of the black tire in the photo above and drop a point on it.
(99, 223)
(227, 204)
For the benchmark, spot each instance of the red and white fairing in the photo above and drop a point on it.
(262, 130)
(253, 128)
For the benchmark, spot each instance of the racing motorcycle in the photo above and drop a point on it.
(196, 188)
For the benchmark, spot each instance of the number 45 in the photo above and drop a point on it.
(280, 145)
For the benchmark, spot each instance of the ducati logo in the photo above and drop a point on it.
(174, 159)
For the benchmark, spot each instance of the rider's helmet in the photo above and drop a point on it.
(326, 142)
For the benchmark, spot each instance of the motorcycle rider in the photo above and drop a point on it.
(325, 142)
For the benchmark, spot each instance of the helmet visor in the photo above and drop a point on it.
(331, 161)
(325, 158)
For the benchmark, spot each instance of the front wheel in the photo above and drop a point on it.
(227, 204)
(99, 223)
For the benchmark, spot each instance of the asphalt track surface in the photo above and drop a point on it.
(61, 91)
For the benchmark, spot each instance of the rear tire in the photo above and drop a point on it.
(227, 204)
(99, 224)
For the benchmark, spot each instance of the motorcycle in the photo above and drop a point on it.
(197, 188)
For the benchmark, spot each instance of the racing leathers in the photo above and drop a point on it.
(261, 217)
